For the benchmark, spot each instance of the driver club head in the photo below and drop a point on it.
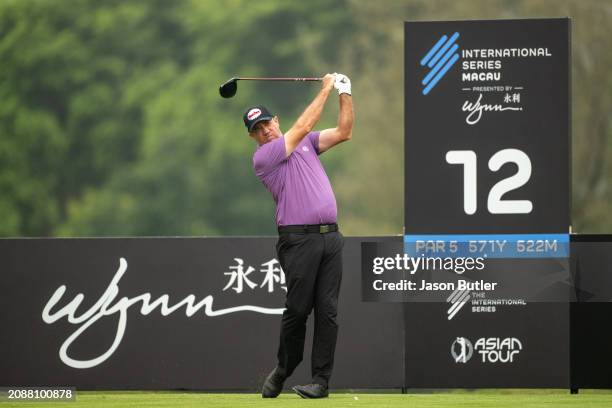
(229, 88)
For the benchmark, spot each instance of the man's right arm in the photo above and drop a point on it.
(309, 118)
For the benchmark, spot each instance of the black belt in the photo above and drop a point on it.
(312, 228)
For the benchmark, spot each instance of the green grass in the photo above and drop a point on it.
(455, 399)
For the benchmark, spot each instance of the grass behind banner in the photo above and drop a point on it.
(456, 398)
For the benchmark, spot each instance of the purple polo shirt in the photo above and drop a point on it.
(298, 183)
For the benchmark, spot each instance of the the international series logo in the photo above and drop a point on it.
(440, 58)
(457, 299)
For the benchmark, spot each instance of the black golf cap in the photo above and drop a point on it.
(254, 115)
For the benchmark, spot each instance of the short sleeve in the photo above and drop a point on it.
(269, 156)
(314, 140)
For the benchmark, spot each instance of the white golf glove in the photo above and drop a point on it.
(342, 84)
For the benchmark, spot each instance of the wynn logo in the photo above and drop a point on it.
(111, 304)
(440, 58)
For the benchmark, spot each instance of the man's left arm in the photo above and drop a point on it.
(328, 138)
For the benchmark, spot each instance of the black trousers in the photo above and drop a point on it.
(312, 263)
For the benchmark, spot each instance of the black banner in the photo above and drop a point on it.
(482, 345)
(591, 332)
(172, 313)
(516, 346)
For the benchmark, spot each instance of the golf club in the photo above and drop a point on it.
(229, 88)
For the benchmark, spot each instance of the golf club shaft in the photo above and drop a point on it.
(278, 79)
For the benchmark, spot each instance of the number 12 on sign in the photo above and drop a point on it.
(495, 204)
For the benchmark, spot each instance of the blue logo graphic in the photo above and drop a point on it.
(441, 57)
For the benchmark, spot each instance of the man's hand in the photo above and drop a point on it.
(342, 84)
(329, 81)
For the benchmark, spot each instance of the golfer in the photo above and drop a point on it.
(309, 245)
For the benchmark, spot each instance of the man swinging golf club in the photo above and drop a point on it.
(309, 246)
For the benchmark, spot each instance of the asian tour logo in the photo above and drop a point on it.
(440, 58)
(491, 349)
(462, 350)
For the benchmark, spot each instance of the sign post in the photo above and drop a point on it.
(487, 175)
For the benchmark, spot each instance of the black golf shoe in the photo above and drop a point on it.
(311, 391)
(273, 384)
